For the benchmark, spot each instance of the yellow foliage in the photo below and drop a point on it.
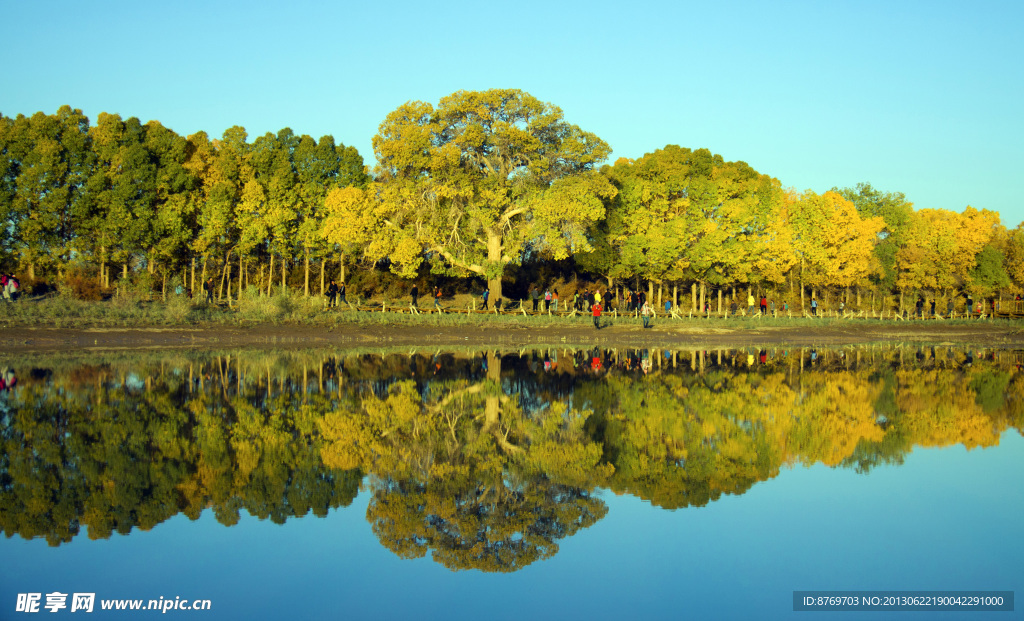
(833, 241)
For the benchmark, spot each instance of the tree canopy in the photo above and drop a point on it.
(475, 181)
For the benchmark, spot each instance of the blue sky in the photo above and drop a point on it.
(923, 98)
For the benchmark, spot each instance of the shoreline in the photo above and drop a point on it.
(681, 334)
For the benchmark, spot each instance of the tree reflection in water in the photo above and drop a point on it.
(484, 460)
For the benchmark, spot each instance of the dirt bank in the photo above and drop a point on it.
(618, 334)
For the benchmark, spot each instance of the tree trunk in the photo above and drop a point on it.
(227, 281)
(305, 289)
(225, 278)
(270, 275)
(802, 307)
(241, 275)
(494, 257)
(341, 267)
(659, 295)
(284, 276)
(719, 300)
(703, 295)
(323, 270)
(693, 296)
(492, 408)
(206, 259)
(192, 287)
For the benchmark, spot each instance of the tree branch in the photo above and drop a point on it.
(476, 269)
(506, 217)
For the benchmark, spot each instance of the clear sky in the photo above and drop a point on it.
(923, 98)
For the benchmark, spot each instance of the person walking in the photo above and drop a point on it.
(208, 288)
(547, 300)
(341, 293)
(487, 293)
(764, 305)
(595, 310)
(11, 288)
(415, 294)
(437, 298)
(332, 294)
(536, 297)
(750, 303)
(645, 312)
(554, 300)
(814, 307)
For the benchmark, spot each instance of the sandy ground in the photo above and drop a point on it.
(618, 334)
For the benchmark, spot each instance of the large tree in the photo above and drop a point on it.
(474, 181)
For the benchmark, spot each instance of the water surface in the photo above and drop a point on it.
(549, 483)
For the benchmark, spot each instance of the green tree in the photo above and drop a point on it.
(175, 225)
(689, 214)
(321, 166)
(220, 165)
(896, 211)
(989, 273)
(48, 160)
(123, 186)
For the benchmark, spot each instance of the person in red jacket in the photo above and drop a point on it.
(596, 310)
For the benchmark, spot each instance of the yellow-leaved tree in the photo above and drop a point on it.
(473, 181)
(833, 244)
(941, 247)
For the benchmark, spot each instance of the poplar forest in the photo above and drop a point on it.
(491, 188)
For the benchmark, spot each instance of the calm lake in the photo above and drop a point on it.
(549, 484)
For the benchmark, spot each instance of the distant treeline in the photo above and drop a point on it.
(488, 187)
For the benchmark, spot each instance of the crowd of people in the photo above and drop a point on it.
(596, 302)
